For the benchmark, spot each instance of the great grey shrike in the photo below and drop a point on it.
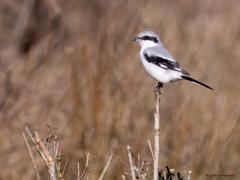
(159, 63)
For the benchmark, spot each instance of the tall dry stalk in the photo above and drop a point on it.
(156, 136)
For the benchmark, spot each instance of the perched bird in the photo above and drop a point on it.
(159, 63)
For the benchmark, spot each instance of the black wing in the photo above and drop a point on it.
(164, 63)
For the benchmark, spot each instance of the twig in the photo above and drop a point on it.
(57, 158)
(52, 171)
(106, 167)
(131, 162)
(65, 166)
(44, 150)
(150, 147)
(189, 175)
(156, 136)
(123, 177)
(55, 149)
(31, 156)
(35, 143)
(84, 173)
(78, 171)
(48, 158)
(40, 146)
(138, 169)
(144, 171)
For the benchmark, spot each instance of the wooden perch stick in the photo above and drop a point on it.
(156, 136)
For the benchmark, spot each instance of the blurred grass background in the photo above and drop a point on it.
(71, 67)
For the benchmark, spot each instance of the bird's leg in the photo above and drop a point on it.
(158, 88)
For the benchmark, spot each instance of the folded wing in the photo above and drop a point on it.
(161, 58)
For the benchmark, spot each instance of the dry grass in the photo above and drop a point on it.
(76, 70)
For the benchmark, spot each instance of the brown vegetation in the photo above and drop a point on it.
(70, 67)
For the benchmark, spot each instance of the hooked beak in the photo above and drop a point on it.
(136, 39)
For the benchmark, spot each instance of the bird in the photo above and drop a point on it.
(159, 63)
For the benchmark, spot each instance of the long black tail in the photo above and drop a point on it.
(197, 82)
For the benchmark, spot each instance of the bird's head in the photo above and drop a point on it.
(147, 39)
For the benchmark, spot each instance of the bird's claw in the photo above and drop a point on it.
(157, 89)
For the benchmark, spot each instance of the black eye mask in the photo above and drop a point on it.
(150, 38)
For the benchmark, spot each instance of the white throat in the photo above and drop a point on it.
(148, 44)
